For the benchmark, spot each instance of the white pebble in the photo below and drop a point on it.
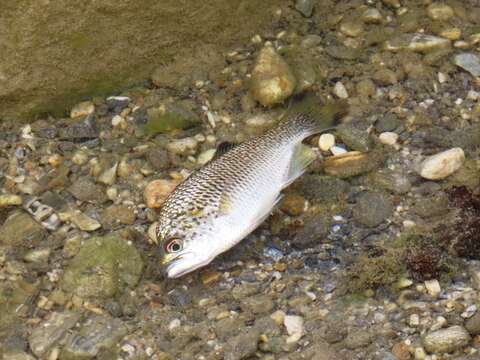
(294, 326)
(174, 324)
(414, 320)
(206, 156)
(340, 90)
(442, 77)
(433, 287)
(326, 141)
(388, 138)
(441, 165)
(337, 150)
(420, 353)
(117, 120)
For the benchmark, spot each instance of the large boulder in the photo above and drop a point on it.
(57, 52)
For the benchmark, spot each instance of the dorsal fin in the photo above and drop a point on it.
(223, 148)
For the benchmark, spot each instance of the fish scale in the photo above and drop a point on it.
(221, 203)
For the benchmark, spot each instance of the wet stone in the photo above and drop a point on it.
(98, 334)
(473, 324)
(258, 304)
(305, 7)
(372, 208)
(392, 181)
(242, 346)
(469, 62)
(417, 42)
(80, 130)
(86, 190)
(358, 339)
(313, 232)
(19, 229)
(387, 122)
(158, 158)
(171, 117)
(272, 80)
(116, 215)
(51, 331)
(446, 340)
(355, 136)
(440, 11)
(320, 189)
(103, 267)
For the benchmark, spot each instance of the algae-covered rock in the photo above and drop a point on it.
(170, 117)
(98, 335)
(13, 295)
(372, 208)
(104, 267)
(20, 229)
(320, 189)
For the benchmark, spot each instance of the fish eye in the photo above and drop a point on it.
(173, 246)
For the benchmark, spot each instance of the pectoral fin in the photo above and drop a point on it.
(301, 158)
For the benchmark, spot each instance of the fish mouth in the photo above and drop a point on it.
(184, 264)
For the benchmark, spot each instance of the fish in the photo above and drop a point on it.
(219, 204)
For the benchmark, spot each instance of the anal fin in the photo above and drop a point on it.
(301, 158)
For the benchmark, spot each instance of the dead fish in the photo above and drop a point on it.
(221, 203)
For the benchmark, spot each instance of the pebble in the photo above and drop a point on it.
(433, 288)
(352, 28)
(326, 141)
(278, 316)
(294, 326)
(157, 191)
(206, 156)
(108, 176)
(372, 16)
(80, 158)
(186, 146)
(272, 80)
(440, 11)
(84, 222)
(446, 340)
(372, 208)
(118, 121)
(348, 164)
(338, 150)
(388, 138)
(469, 62)
(473, 324)
(442, 165)
(10, 200)
(417, 42)
(305, 7)
(82, 109)
(340, 91)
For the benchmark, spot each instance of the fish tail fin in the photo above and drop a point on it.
(306, 115)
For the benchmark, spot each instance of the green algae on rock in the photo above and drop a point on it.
(170, 117)
(103, 268)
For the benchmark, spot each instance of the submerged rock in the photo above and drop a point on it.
(352, 163)
(305, 7)
(82, 109)
(157, 191)
(103, 267)
(170, 117)
(442, 165)
(469, 62)
(51, 331)
(372, 208)
(99, 334)
(272, 80)
(19, 229)
(417, 42)
(242, 346)
(446, 340)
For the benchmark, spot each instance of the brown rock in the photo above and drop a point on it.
(157, 191)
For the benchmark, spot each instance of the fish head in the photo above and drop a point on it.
(182, 255)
